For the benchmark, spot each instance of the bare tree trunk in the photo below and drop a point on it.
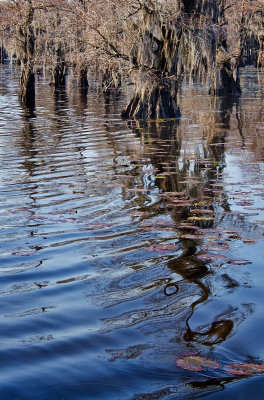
(58, 73)
(82, 79)
(260, 61)
(59, 70)
(25, 50)
(2, 54)
(153, 69)
(153, 99)
(229, 52)
(225, 80)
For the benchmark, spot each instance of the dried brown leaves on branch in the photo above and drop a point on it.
(202, 39)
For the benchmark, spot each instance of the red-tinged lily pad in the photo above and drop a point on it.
(34, 217)
(208, 256)
(216, 247)
(200, 218)
(157, 222)
(249, 241)
(98, 225)
(197, 363)
(239, 262)
(114, 185)
(244, 369)
(202, 211)
(244, 203)
(125, 176)
(188, 227)
(23, 253)
(174, 193)
(189, 236)
(162, 247)
(178, 204)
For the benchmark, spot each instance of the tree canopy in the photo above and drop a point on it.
(154, 44)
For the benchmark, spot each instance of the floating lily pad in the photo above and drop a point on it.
(239, 262)
(244, 369)
(197, 363)
(162, 247)
(209, 256)
(23, 253)
(202, 211)
(201, 218)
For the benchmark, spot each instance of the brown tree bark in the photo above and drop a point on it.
(82, 79)
(153, 69)
(260, 61)
(59, 70)
(25, 50)
(3, 54)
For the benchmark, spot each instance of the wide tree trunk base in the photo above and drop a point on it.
(27, 88)
(152, 101)
(58, 75)
(224, 83)
(82, 79)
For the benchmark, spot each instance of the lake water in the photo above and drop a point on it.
(129, 249)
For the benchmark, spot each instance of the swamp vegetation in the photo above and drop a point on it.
(152, 44)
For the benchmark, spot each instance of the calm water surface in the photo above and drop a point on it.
(126, 247)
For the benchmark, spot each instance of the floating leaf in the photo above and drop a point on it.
(249, 241)
(157, 222)
(207, 256)
(200, 218)
(125, 176)
(137, 190)
(216, 247)
(239, 262)
(179, 204)
(98, 225)
(23, 253)
(112, 185)
(202, 211)
(197, 363)
(189, 236)
(174, 194)
(162, 247)
(244, 203)
(244, 369)
(187, 227)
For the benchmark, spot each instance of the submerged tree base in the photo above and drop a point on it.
(225, 82)
(153, 99)
(27, 87)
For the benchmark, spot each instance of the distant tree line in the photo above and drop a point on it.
(153, 44)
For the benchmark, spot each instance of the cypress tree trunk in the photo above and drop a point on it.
(225, 78)
(260, 61)
(82, 80)
(59, 70)
(3, 54)
(153, 70)
(25, 50)
(229, 52)
(153, 99)
(58, 73)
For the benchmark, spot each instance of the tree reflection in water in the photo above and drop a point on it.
(188, 181)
